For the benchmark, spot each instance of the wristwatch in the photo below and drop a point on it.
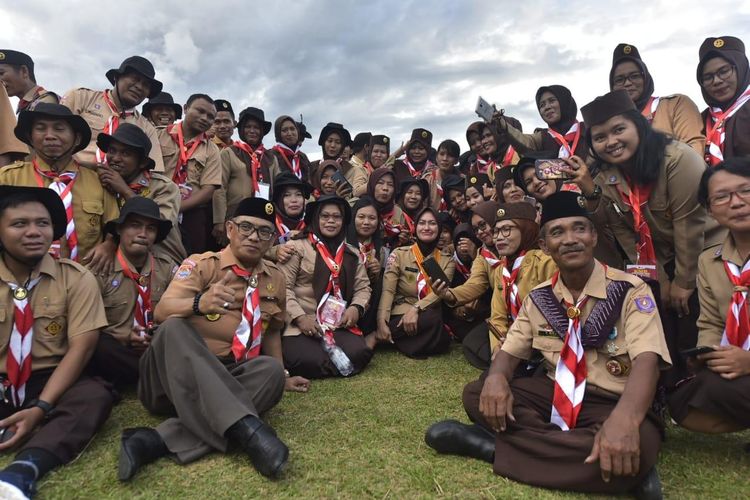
(595, 194)
(45, 406)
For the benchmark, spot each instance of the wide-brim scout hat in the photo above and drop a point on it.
(422, 136)
(253, 114)
(337, 128)
(314, 207)
(49, 110)
(563, 204)
(162, 99)
(288, 179)
(145, 207)
(140, 65)
(129, 135)
(46, 197)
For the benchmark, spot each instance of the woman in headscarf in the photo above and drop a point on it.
(333, 140)
(327, 293)
(417, 160)
(479, 188)
(675, 115)
(506, 188)
(287, 148)
(413, 195)
(410, 314)
(454, 195)
(447, 226)
(447, 155)
(724, 78)
(564, 133)
(289, 195)
(364, 234)
(325, 184)
(497, 151)
(382, 189)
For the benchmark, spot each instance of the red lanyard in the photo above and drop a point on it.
(562, 141)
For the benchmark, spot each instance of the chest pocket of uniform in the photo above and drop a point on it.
(115, 311)
(93, 211)
(547, 344)
(49, 322)
(270, 313)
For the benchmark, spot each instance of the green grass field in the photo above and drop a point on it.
(363, 437)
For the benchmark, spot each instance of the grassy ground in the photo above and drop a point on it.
(363, 437)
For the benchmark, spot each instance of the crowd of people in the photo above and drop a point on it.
(149, 249)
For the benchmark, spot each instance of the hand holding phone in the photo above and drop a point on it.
(551, 169)
(434, 271)
(485, 110)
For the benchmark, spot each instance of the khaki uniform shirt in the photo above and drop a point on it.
(198, 272)
(93, 206)
(120, 295)
(236, 184)
(400, 283)
(481, 279)
(203, 168)
(676, 219)
(8, 141)
(65, 303)
(46, 96)
(536, 267)
(300, 297)
(715, 290)
(637, 330)
(92, 107)
(678, 116)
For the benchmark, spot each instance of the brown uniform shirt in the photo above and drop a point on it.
(93, 205)
(299, 274)
(8, 141)
(120, 295)
(400, 283)
(678, 116)
(203, 168)
(44, 96)
(637, 330)
(715, 290)
(236, 183)
(481, 279)
(536, 267)
(198, 272)
(65, 303)
(676, 219)
(92, 107)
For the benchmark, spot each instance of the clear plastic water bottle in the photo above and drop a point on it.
(338, 356)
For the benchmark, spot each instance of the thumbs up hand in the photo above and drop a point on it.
(219, 299)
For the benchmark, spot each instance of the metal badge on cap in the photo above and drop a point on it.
(424, 134)
(718, 43)
(2, 56)
(269, 208)
(500, 213)
(627, 49)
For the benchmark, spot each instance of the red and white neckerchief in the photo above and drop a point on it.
(142, 316)
(490, 257)
(62, 184)
(737, 328)
(334, 265)
(413, 171)
(180, 174)
(112, 123)
(439, 192)
(364, 250)
(510, 288)
(391, 228)
(249, 333)
(256, 155)
(409, 223)
(649, 109)
(23, 103)
(571, 371)
(291, 158)
(484, 165)
(644, 247)
(571, 136)
(461, 267)
(508, 158)
(18, 362)
(284, 230)
(423, 286)
(715, 123)
(369, 167)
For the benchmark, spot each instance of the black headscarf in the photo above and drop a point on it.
(351, 231)
(424, 247)
(648, 82)
(568, 107)
(377, 174)
(734, 57)
(333, 242)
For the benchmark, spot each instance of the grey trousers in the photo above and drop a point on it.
(181, 377)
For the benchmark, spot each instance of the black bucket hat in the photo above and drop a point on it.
(332, 127)
(145, 207)
(46, 197)
(312, 208)
(253, 114)
(303, 131)
(162, 99)
(49, 110)
(140, 65)
(130, 135)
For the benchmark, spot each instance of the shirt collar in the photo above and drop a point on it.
(46, 266)
(227, 260)
(596, 286)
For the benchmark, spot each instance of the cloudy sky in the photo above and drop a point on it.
(386, 66)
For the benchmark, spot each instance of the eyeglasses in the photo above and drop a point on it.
(724, 73)
(724, 198)
(246, 230)
(333, 217)
(635, 77)
(482, 226)
(504, 231)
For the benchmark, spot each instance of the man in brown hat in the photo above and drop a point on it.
(52, 313)
(224, 124)
(17, 75)
(219, 342)
(599, 332)
(104, 110)
(161, 110)
(676, 114)
(55, 135)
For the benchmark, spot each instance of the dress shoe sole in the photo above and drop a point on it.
(125, 467)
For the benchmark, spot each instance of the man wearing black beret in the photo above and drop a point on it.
(17, 74)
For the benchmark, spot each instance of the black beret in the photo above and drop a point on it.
(256, 207)
(16, 58)
(563, 204)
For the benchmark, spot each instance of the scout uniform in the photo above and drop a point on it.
(434, 178)
(403, 169)
(357, 176)
(708, 391)
(400, 294)
(228, 390)
(161, 99)
(9, 143)
(36, 93)
(290, 159)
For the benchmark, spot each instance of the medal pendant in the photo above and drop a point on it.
(213, 317)
(253, 281)
(20, 293)
(573, 312)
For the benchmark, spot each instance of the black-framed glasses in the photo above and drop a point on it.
(723, 73)
(724, 198)
(482, 226)
(504, 231)
(246, 229)
(635, 77)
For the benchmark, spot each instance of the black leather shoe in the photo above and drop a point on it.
(267, 452)
(138, 446)
(650, 488)
(455, 438)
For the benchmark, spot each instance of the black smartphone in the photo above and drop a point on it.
(691, 353)
(434, 271)
(339, 178)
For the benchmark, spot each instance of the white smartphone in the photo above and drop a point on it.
(485, 110)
